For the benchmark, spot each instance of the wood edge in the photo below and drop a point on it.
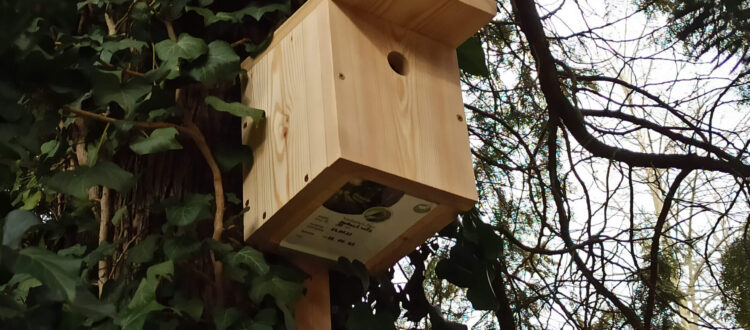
(418, 233)
(283, 30)
(411, 187)
(487, 6)
(270, 234)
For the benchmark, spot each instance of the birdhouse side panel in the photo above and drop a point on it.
(399, 105)
(293, 83)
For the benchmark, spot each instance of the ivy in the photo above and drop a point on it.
(91, 91)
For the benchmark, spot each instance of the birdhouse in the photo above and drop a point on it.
(365, 152)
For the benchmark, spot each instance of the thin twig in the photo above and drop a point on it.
(111, 26)
(128, 71)
(199, 139)
(170, 30)
(105, 215)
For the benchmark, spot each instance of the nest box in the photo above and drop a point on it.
(365, 152)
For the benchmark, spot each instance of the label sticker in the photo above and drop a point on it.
(358, 221)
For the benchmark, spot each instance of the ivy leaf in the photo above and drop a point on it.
(111, 47)
(162, 270)
(140, 11)
(23, 283)
(105, 249)
(236, 109)
(192, 208)
(78, 181)
(255, 11)
(209, 17)
(108, 88)
(285, 293)
(134, 317)
(144, 299)
(186, 47)
(454, 273)
(172, 9)
(16, 224)
(471, 58)
(356, 269)
(74, 251)
(249, 257)
(58, 272)
(266, 316)
(162, 139)
(225, 317)
(9, 308)
(87, 304)
(220, 248)
(220, 64)
(192, 307)
(31, 200)
(180, 248)
(228, 158)
(143, 252)
(361, 317)
(117, 217)
(480, 293)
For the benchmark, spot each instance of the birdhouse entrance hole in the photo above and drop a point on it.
(357, 221)
(398, 63)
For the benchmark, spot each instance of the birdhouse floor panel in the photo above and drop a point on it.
(357, 221)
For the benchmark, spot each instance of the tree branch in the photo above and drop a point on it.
(659, 129)
(531, 25)
(654, 253)
(528, 19)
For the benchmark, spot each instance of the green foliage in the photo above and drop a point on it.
(109, 87)
(58, 272)
(363, 317)
(221, 63)
(162, 139)
(736, 282)
(255, 11)
(16, 224)
(83, 87)
(236, 109)
(77, 182)
(471, 57)
(186, 47)
(721, 26)
(473, 262)
(190, 209)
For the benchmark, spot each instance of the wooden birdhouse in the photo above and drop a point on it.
(365, 152)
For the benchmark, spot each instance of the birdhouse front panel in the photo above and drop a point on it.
(365, 152)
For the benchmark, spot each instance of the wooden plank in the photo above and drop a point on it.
(436, 220)
(294, 146)
(447, 21)
(408, 125)
(313, 311)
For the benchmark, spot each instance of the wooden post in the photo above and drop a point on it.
(313, 311)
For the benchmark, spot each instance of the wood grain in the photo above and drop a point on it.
(337, 110)
(289, 84)
(447, 21)
(313, 310)
(409, 125)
